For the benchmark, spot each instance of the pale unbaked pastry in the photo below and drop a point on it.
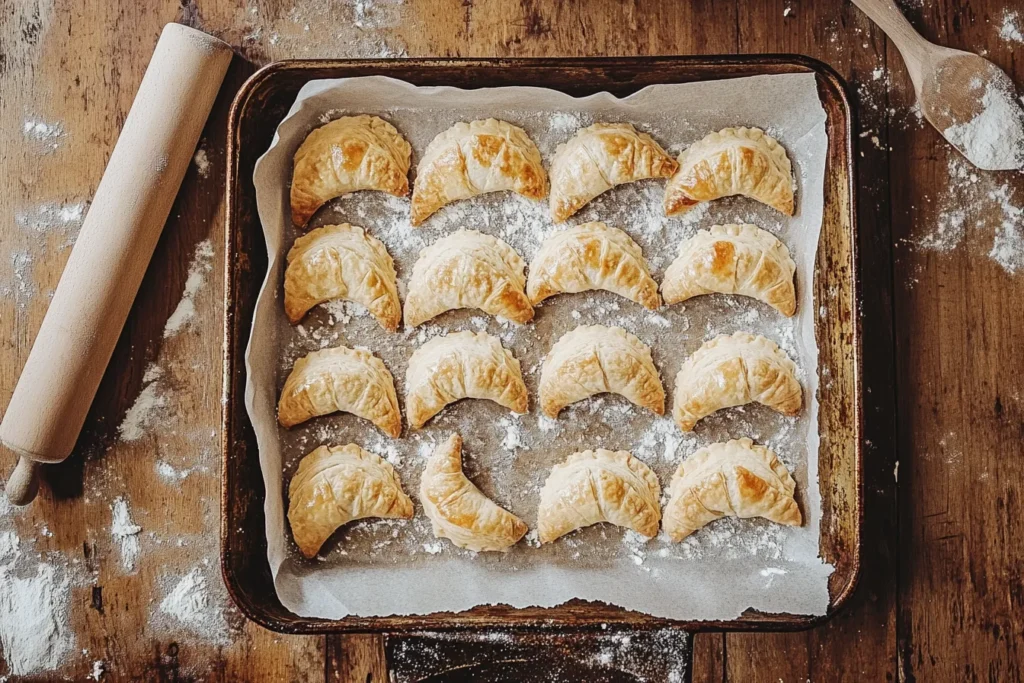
(468, 269)
(731, 370)
(591, 256)
(340, 378)
(339, 484)
(458, 510)
(348, 154)
(599, 486)
(597, 159)
(732, 479)
(341, 262)
(462, 365)
(473, 158)
(733, 259)
(595, 359)
(744, 161)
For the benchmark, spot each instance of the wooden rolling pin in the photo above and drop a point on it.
(112, 252)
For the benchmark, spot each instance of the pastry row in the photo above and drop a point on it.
(336, 485)
(727, 371)
(367, 153)
(469, 269)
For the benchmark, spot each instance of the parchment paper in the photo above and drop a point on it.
(383, 567)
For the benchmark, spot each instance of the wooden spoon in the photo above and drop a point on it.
(970, 100)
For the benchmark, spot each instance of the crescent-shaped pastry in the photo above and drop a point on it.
(597, 159)
(731, 370)
(732, 479)
(339, 484)
(473, 158)
(592, 256)
(744, 161)
(468, 269)
(462, 365)
(596, 359)
(348, 154)
(599, 486)
(733, 259)
(458, 510)
(341, 262)
(340, 378)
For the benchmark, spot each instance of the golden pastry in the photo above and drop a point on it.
(348, 154)
(745, 161)
(341, 262)
(733, 259)
(597, 159)
(462, 365)
(458, 510)
(731, 370)
(592, 256)
(472, 158)
(599, 486)
(339, 484)
(732, 479)
(350, 380)
(596, 359)
(468, 269)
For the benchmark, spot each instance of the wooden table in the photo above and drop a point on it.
(941, 590)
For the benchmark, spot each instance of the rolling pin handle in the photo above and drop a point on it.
(23, 484)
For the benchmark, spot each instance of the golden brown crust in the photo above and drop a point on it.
(600, 157)
(462, 365)
(732, 161)
(732, 370)
(733, 259)
(596, 359)
(335, 485)
(348, 154)
(732, 479)
(340, 379)
(468, 269)
(592, 256)
(341, 262)
(458, 510)
(599, 486)
(472, 158)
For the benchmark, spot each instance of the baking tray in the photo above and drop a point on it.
(257, 110)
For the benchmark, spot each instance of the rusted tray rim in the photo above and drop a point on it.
(748, 621)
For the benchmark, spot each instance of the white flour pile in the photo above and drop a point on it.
(1010, 29)
(994, 139)
(125, 533)
(191, 605)
(35, 632)
(201, 264)
(979, 208)
(202, 162)
(148, 408)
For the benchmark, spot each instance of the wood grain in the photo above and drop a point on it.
(941, 586)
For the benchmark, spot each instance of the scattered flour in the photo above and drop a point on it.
(168, 472)
(125, 532)
(63, 219)
(202, 263)
(47, 135)
(202, 162)
(1010, 29)
(148, 407)
(994, 139)
(35, 632)
(99, 668)
(1008, 242)
(191, 605)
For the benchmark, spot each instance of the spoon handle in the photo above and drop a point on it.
(911, 45)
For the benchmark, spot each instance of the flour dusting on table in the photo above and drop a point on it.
(125, 533)
(199, 267)
(189, 603)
